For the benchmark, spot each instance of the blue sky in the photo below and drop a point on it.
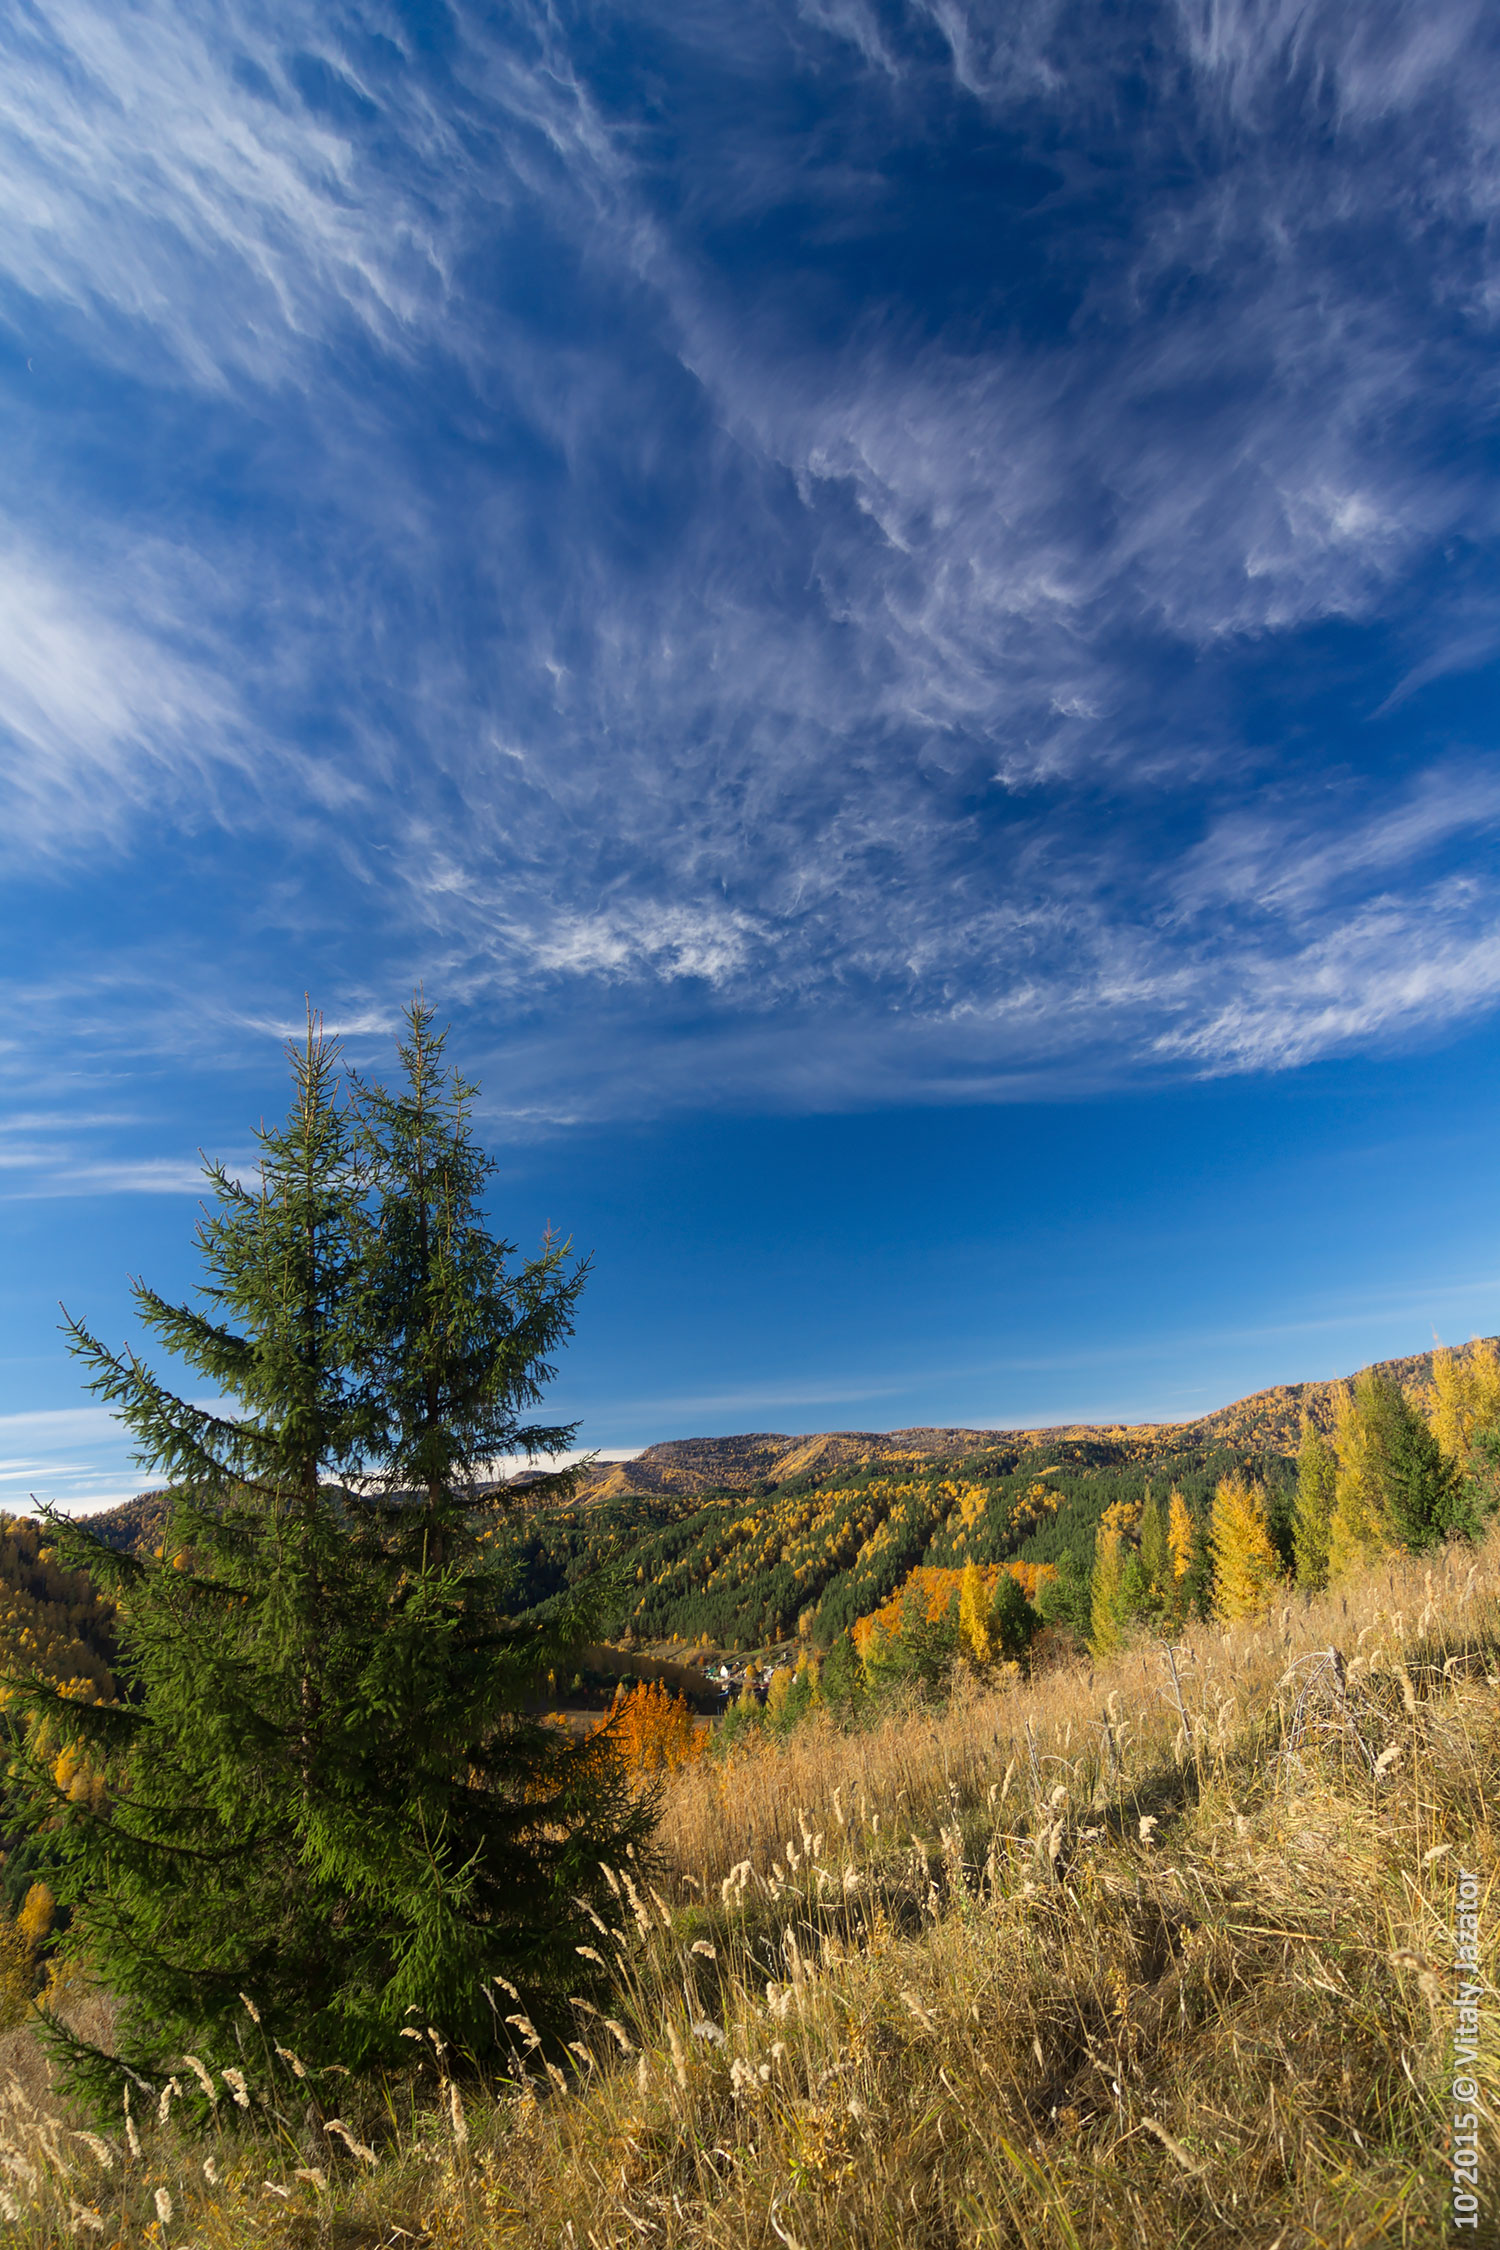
(895, 606)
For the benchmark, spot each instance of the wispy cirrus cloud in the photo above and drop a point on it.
(836, 523)
(99, 713)
(1297, 856)
(1397, 966)
(195, 182)
(817, 555)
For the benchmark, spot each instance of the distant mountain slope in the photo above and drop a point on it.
(738, 1464)
(141, 1522)
(52, 1621)
(1272, 1420)
(748, 1539)
(1267, 1422)
(628, 1509)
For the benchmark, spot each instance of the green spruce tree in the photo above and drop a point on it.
(453, 1346)
(453, 1349)
(1424, 1489)
(843, 1678)
(1317, 1473)
(1106, 1592)
(324, 1790)
(926, 1647)
(1394, 1485)
(1013, 1621)
(1066, 1600)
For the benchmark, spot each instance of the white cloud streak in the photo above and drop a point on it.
(144, 148)
(98, 712)
(866, 682)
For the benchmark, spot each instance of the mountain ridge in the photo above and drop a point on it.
(1269, 1419)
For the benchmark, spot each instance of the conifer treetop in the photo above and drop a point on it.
(279, 1261)
(458, 1346)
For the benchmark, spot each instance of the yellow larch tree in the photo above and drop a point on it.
(1123, 1516)
(17, 1973)
(1246, 1570)
(35, 1918)
(653, 1729)
(1360, 1530)
(974, 1616)
(1182, 1547)
(1465, 1397)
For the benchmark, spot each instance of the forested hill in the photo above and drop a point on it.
(141, 1522)
(746, 1539)
(1266, 1422)
(52, 1622)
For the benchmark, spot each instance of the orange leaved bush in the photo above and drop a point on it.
(653, 1730)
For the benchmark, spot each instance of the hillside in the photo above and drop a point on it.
(52, 1622)
(1104, 1958)
(1268, 1421)
(739, 1464)
(746, 1540)
(141, 1522)
(813, 1555)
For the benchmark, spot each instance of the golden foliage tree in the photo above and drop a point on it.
(1182, 1547)
(1396, 1485)
(37, 1910)
(653, 1729)
(1465, 1397)
(21, 1940)
(1360, 1529)
(1246, 1570)
(17, 1973)
(1039, 1500)
(936, 1588)
(974, 1617)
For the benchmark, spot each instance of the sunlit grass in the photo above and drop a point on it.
(1153, 1954)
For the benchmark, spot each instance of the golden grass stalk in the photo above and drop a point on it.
(1186, 1983)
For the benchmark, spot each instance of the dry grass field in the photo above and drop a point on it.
(1160, 1953)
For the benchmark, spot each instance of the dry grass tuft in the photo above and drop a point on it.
(1156, 1954)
